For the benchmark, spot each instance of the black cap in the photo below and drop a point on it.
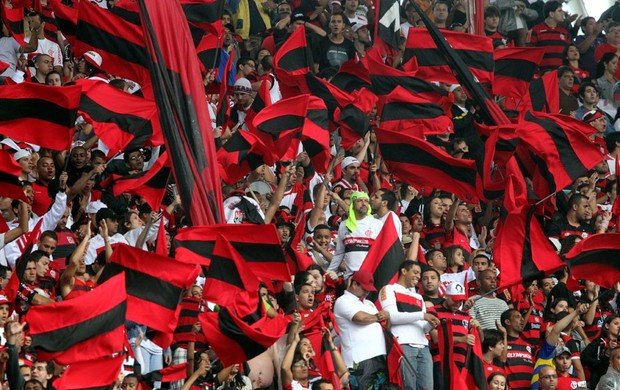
(105, 213)
(299, 16)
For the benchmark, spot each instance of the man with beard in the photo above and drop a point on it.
(350, 172)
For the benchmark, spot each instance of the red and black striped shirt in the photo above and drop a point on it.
(460, 327)
(553, 40)
(519, 363)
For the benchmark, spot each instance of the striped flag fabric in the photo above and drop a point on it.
(595, 258)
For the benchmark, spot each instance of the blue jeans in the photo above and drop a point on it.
(417, 368)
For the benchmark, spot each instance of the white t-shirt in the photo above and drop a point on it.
(46, 47)
(359, 342)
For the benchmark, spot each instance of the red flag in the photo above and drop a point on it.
(294, 57)
(259, 245)
(27, 108)
(298, 261)
(315, 134)
(10, 186)
(416, 161)
(184, 116)
(476, 52)
(352, 76)
(119, 42)
(91, 326)
(154, 288)
(402, 109)
(385, 255)
(595, 259)
(80, 375)
(229, 280)
(514, 70)
(202, 13)
(209, 52)
(223, 103)
(13, 19)
(66, 19)
(544, 94)
(522, 249)
(474, 373)
(241, 154)
(450, 376)
(151, 184)
(616, 206)
(118, 118)
(234, 341)
(162, 243)
(394, 355)
(190, 308)
(168, 374)
(325, 362)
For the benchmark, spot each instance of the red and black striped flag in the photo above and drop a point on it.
(190, 308)
(229, 282)
(180, 98)
(325, 362)
(118, 118)
(294, 57)
(13, 19)
(595, 258)
(151, 184)
(241, 154)
(385, 255)
(315, 134)
(66, 19)
(10, 186)
(543, 94)
(223, 102)
(450, 376)
(50, 30)
(27, 108)
(167, 374)
(402, 109)
(202, 13)
(387, 26)
(514, 70)
(88, 327)
(120, 43)
(234, 341)
(352, 76)
(258, 245)
(154, 288)
(394, 356)
(473, 373)
(476, 51)
(417, 162)
(562, 146)
(209, 52)
(79, 376)
(524, 253)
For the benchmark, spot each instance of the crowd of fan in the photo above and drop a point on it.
(555, 334)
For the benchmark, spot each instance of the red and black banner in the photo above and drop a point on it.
(80, 376)
(258, 245)
(10, 186)
(562, 149)
(209, 52)
(385, 255)
(13, 19)
(294, 57)
(120, 43)
(417, 162)
(236, 342)
(179, 93)
(27, 108)
(154, 288)
(229, 282)
(476, 51)
(88, 327)
(315, 134)
(402, 109)
(524, 253)
(118, 118)
(50, 30)
(27, 242)
(66, 19)
(167, 374)
(595, 258)
(514, 69)
(223, 103)
(394, 356)
(473, 373)
(202, 13)
(544, 94)
(151, 184)
(352, 76)
(190, 308)
(241, 154)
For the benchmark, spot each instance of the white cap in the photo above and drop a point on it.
(454, 86)
(242, 85)
(94, 207)
(348, 161)
(94, 58)
(456, 291)
(21, 154)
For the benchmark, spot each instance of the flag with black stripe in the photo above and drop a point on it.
(236, 342)
(179, 94)
(543, 94)
(514, 70)
(10, 186)
(385, 255)
(154, 287)
(258, 245)
(402, 109)
(168, 374)
(66, 19)
(394, 357)
(352, 76)
(522, 249)
(39, 114)
(241, 154)
(387, 26)
(563, 148)
(417, 162)
(151, 184)
(476, 51)
(315, 134)
(223, 102)
(80, 376)
(88, 327)
(209, 52)
(202, 13)
(595, 258)
(118, 118)
(50, 30)
(190, 308)
(230, 282)
(474, 373)
(294, 57)
(13, 19)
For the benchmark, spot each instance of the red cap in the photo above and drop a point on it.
(365, 279)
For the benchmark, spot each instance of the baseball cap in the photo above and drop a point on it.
(592, 116)
(242, 86)
(560, 350)
(105, 213)
(365, 279)
(95, 206)
(93, 58)
(453, 87)
(358, 25)
(456, 291)
(3, 298)
(335, 2)
(348, 161)
(21, 154)
(299, 16)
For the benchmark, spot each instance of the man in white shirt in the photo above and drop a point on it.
(361, 335)
(107, 216)
(410, 323)
(45, 46)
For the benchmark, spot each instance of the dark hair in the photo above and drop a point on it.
(49, 233)
(317, 384)
(607, 321)
(585, 21)
(97, 153)
(51, 73)
(600, 67)
(267, 63)
(583, 86)
(449, 253)
(316, 267)
(611, 139)
(37, 255)
(3, 270)
(551, 6)
(576, 199)
(491, 338)
(244, 61)
(389, 196)
(550, 316)
(440, 2)
(408, 264)
(35, 382)
(431, 269)
(565, 53)
(491, 11)
(506, 316)
(321, 226)
(118, 83)
(493, 375)
(564, 69)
